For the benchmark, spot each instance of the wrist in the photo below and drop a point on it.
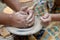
(5, 19)
(51, 17)
(10, 19)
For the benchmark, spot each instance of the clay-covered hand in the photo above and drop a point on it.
(18, 19)
(46, 19)
(23, 18)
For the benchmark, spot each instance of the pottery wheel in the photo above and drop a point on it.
(29, 31)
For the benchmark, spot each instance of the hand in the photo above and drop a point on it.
(30, 19)
(45, 19)
(24, 18)
(18, 19)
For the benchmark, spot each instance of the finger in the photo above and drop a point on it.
(42, 19)
(30, 24)
(46, 16)
(46, 20)
(23, 13)
(30, 14)
(32, 19)
(24, 8)
(30, 11)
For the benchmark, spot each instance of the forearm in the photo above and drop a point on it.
(55, 17)
(14, 4)
(5, 18)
